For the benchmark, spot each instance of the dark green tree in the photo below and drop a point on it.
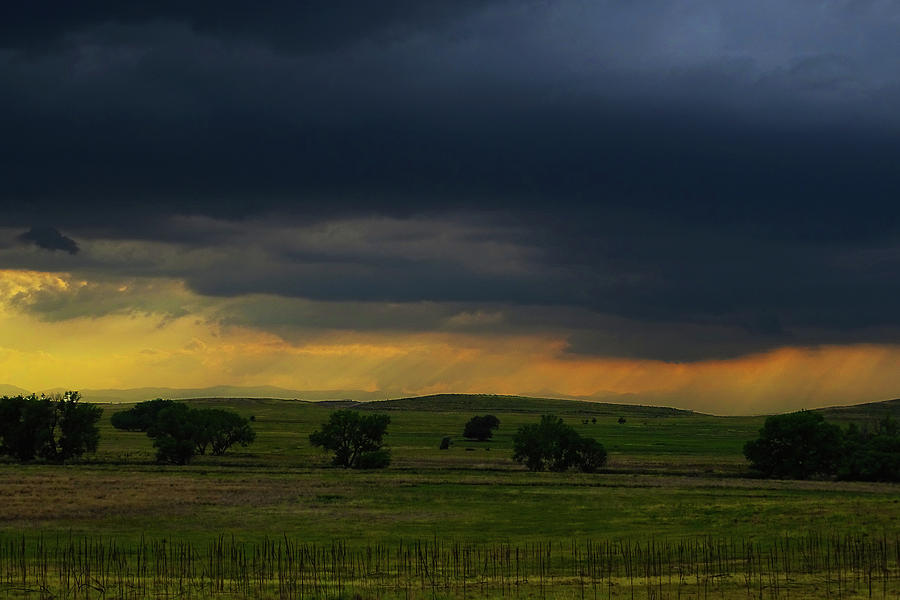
(871, 456)
(355, 439)
(55, 428)
(796, 445)
(77, 426)
(220, 430)
(141, 416)
(26, 427)
(174, 432)
(179, 432)
(591, 455)
(555, 446)
(481, 428)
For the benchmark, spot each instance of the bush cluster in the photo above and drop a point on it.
(141, 417)
(555, 446)
(871, 455)
(802, 445)
(180, 432)
(52, 428)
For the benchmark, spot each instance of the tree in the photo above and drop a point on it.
(796, 445)
(55, 428)
(179, 431)
(141, 416)
(355, 439)
(592, 455)
(871, 456)
(26, 427)
(174, 432)
(481, 428)
(553, 445)
(221, 429)
(78, 431)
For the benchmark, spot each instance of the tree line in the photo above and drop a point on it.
(52, 428)
(803, 445)
(59, 428)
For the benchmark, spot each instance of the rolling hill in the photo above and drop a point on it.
(863, 412)
(518, 404)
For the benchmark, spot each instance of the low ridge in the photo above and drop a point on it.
(519, 404)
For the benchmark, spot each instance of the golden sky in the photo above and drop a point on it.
(48, 341)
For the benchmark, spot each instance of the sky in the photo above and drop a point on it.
(690, 203)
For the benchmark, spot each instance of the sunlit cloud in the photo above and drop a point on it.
(167, 336)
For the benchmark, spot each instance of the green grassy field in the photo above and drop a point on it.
(672, 475)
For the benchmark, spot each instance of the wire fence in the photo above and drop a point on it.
(816, 565)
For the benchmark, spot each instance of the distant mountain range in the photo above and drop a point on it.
(267, 391)
(398, 401)
(218, 391)
(11, 390)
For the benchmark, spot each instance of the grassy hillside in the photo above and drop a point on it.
(651, 439)
(868, 412)
(670, 473)
(484, 403)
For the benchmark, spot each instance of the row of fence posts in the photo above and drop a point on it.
(100, 567)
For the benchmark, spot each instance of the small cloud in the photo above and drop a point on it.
(49, 238)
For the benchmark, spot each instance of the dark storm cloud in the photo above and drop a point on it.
(49, 238)
(652, 291)
(307, 26)
(682, 179)
(494, 104)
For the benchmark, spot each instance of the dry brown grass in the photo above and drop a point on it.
(325, 503)
(78, 494)
(59, 493)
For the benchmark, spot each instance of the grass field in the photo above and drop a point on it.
(672, 476)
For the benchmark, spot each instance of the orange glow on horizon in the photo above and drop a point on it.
(136, 348)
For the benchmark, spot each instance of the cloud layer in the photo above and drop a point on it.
(684, 182)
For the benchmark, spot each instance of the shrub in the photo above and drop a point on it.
(481, 428)
(592, 455)
(553, 445)
(375, 459)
